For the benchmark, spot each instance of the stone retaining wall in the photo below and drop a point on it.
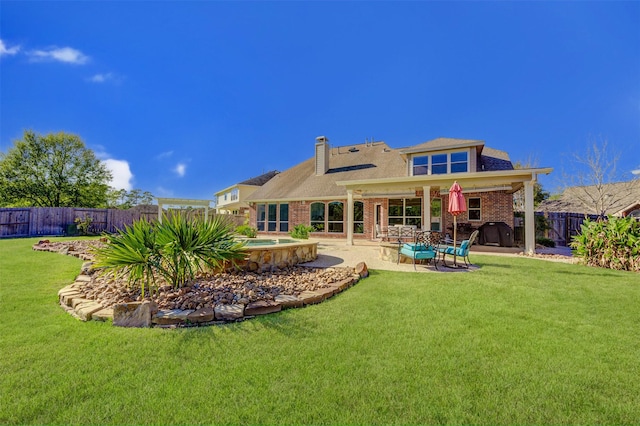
(146, 314)
(264, 258)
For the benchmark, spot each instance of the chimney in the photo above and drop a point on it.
(322, 155)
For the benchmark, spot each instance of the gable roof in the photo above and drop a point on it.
(260, 180)
(374, 160)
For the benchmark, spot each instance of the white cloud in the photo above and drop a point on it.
(165, 154)
(122, 176)
(636, 171)
(180, 169)
(4, 50)
(108, 77)
(101, 78)
(63, 54)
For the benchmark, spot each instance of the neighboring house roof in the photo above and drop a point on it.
(357, 162)
(260, 180)
(578, 199)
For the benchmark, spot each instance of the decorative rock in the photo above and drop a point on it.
(87, 268)
(67, 298)
(262, 307)
(311, 297)
(173, 316)
(83, 279)
(71, 288)
(84, 311)
(75, 301)
(326, 292)
(134, 314)
(229, 312)
(201, 315)
(288, 301)
(362, 270)
(105, 314)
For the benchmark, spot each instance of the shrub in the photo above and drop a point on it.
(247, 231)
(301, 232)
(612, 243)
(177, 250)
(547, 242)
(83, 224)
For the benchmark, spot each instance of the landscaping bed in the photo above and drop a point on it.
(230, 295)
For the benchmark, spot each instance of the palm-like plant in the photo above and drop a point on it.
(192, 246)
(132, 251)
(177, 249)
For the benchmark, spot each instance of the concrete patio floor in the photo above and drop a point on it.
(336, 253)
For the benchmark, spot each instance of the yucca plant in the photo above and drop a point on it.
(177, 249)
(133, 252)
(189, 247)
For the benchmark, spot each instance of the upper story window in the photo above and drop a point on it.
(234, 194)
(440, 164)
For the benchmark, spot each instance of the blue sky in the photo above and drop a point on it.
(186, 98)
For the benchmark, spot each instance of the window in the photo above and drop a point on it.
(459, 162)
(284, 217)
(358, 217)
(267, 218)
(260, 216)
(327, 217)
(474, 209)
(421, 165)
(436, 214)
(405, 211)
(272, 218)
(439, 164)
(317, 217)
(234, 194)
(336, 217)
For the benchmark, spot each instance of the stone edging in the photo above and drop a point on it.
(146, 313)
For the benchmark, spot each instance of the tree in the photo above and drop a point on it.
(591, 182)
(123, 199)
(54, 170)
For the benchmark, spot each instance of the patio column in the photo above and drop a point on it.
(426, 208)
(159, 212)
(529, 219)
(349, 217)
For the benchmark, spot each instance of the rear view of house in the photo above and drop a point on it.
(359, 191)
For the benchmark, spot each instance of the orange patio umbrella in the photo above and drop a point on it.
(457, 205)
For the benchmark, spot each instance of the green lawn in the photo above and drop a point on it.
(520, 341)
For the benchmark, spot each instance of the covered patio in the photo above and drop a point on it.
(509, 181)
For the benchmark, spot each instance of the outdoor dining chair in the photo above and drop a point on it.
(462, 251)
(425, 247)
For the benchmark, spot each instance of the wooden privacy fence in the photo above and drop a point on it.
(564, 226)
(60, 221)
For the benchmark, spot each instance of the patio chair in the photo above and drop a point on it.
(393, 232)
(424, 247)
(462, 251)
(379, 234)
